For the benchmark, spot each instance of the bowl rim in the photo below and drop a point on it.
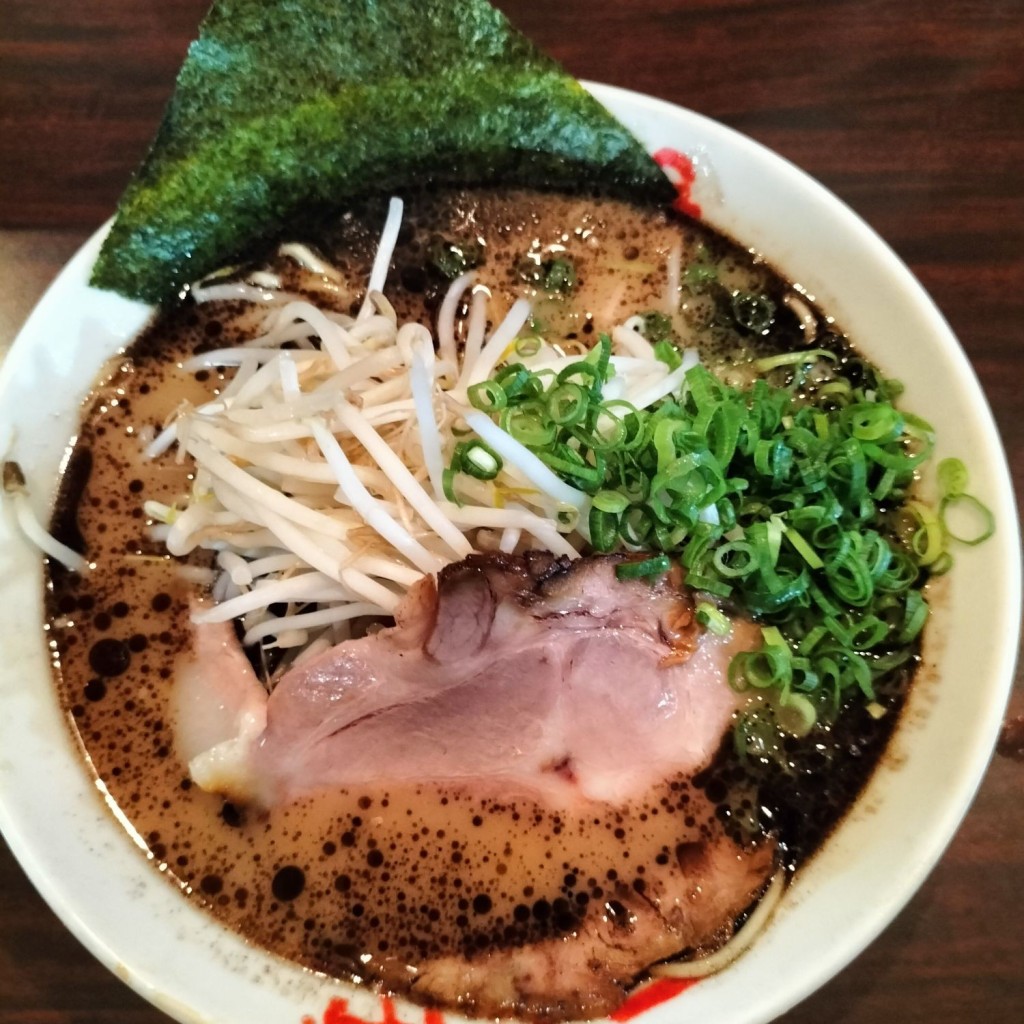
(284, 991)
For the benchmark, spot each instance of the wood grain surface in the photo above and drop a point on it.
(912, 111)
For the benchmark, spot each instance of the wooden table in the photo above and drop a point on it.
(911, 111)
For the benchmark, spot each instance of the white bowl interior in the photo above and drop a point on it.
(90, 870)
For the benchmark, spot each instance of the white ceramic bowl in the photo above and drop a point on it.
(86, 864)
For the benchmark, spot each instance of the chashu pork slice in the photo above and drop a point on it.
(517, 677)
(525, 675)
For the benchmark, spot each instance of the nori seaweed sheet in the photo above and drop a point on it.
(288, 106)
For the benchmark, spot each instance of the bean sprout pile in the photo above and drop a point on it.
(319, 469)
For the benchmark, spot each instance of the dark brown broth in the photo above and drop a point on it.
(359, 884)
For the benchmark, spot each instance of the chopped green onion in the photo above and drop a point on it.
(656, 326)
(952, 476)
(967, 502)
(487, 396)
(795, 714)
(529, 424)
(611, 501)
(698, 276)
(568, 403)
(610, 430)
(452, 258)
(448, 485)
(528, 346)
(667, 353)
(477, 459)
(738, 558)
(806, 552)
(712, 619)
(655, 566)
(792, 359)
(873, 421)
(914, 617)
(515, 380)
(928, 540)
(708, 584)
(604, 529)
(559, 276)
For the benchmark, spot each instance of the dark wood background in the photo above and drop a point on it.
(911, 110)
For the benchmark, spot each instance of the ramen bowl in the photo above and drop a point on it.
(81, 851)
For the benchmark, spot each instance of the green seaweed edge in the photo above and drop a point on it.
(284, 105)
